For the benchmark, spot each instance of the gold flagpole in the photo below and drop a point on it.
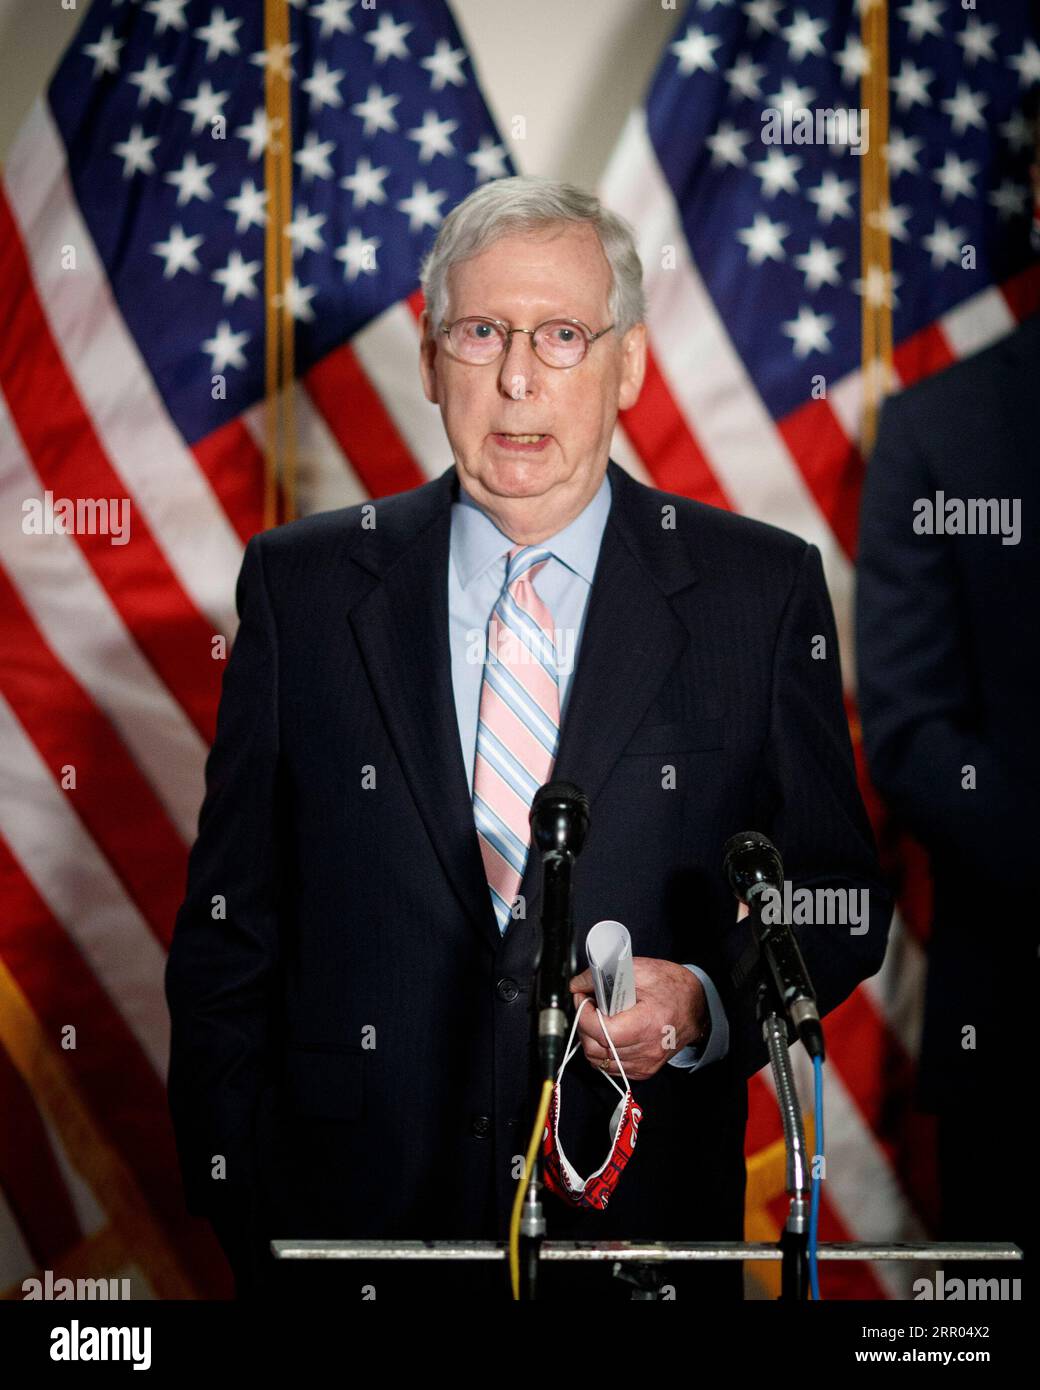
(288, 322)
(875, 242)
(279, 341)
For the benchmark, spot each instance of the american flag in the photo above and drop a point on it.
(755, 397)
(132, 367)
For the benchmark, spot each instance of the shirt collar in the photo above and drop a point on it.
(476, 542)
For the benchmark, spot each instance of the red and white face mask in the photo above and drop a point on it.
(560, 1177)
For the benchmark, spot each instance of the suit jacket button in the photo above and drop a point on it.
(507, 990)
(481, 1126)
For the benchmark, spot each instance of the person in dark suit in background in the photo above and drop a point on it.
(350, 976)
(949, 687)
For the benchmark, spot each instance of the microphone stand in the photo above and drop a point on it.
(752, 864)
(554, 961)
(794, 1239)
(532, 1233)
(559, 819)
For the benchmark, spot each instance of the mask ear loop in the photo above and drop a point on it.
(570, 1051)
(572, 1177)
(613, 1049)
(580, 1183)
(610, 1043)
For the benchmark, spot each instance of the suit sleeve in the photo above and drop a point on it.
(224, 951)
(713, 1045)
(916, 701)
(808, 803)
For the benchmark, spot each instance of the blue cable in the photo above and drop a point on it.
(814, 1204)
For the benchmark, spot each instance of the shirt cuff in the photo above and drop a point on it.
(716, 1044)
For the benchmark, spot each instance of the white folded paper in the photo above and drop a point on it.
(608, 947)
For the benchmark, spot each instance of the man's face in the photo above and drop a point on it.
(524, 279)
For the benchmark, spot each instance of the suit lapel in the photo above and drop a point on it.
(402, 629)
(631, 640)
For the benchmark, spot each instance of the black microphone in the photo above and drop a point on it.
(752, 864)
(559, 821)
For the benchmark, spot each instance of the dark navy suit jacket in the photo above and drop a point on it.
(352, 1034)
(949, 679)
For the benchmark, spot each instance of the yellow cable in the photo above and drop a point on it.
(521, 1187)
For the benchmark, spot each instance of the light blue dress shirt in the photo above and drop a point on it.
(476, 576)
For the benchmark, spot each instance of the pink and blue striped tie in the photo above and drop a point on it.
(518, 726)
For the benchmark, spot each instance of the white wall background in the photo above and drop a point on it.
(571, 68)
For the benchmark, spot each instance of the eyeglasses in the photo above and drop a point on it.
(557, 342)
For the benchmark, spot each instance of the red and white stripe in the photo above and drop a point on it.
(141, 453)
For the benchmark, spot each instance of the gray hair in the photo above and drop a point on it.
(525, 203)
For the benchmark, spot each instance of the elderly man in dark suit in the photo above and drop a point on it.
(351, 1050)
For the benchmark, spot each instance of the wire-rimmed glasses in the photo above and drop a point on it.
(557, 342)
